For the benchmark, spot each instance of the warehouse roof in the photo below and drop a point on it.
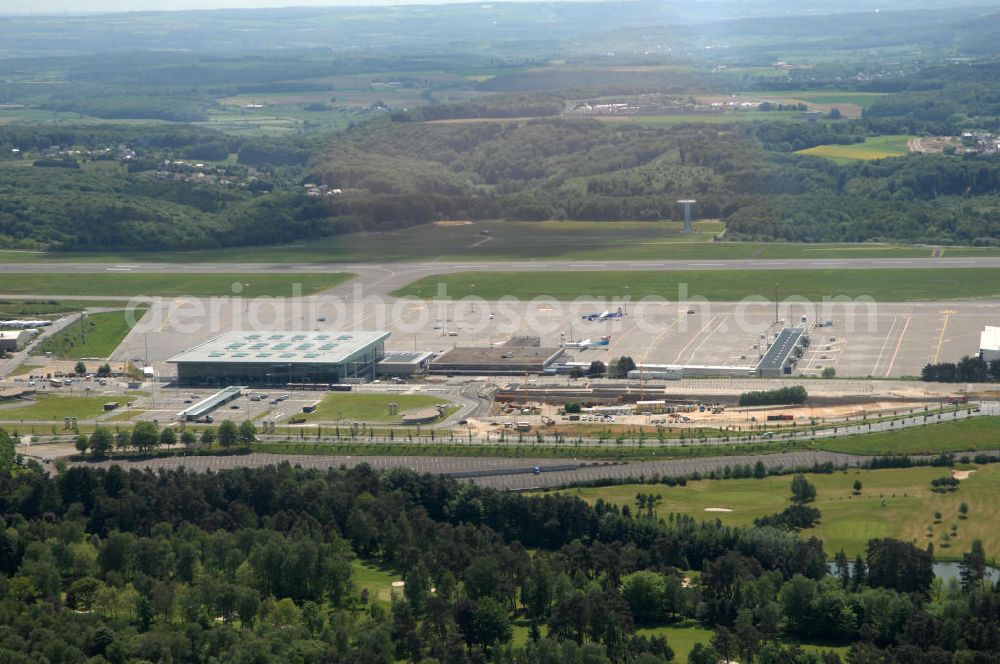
(990, 338)
(281, 347)
(777, 354)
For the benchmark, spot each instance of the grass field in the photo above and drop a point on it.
(378, 581)
(97, 335)
(507, 240)
(894, 503)
(120, 284)
(47, 308)
(55, 408)
(368, 407)
(442, 445)
(826, 97)
(874, 147)
(968, 435)
(683, 636)
(893, 285)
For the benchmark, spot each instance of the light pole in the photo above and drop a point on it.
(776, 304)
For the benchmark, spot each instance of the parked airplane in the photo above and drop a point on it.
(24, 324)
(588, 343)
(607, 315)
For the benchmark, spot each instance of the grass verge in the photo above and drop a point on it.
(341, 406)
(892, 285)
(55, 408)
(120, 284)
(96, 335)
(966, 435)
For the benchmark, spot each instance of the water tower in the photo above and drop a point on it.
(688, 204)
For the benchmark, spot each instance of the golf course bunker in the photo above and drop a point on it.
(718, 509)
(962, 474)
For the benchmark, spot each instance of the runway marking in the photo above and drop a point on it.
(899, 344)
(693, 339)
(885, 342)
(937, 350)
(656, 339)
(709, 335)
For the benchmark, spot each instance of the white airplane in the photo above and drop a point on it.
(23, 324)
(588, 343)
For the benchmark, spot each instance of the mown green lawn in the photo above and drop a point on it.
(120, 284)
(682, 637)
(55, 407)
(506, 240)
(341, 406)
(97, 335)
(892, 285)
(894, 503)
(968, 435)
(378, 581)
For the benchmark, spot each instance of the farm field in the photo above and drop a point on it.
(368, 407)
(510, 240)
(51, 407)
(123, 284)
(892, 285)
(97, 335)
(874, 147)
(827, 97)
(894, 503)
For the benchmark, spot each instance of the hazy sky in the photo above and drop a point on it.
(83, 6)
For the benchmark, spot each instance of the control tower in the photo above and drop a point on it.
(688, 224)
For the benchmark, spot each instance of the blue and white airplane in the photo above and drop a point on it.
(607, 315)
(588, 343)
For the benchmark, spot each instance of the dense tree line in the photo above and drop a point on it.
(494, 106)
(256, 565)
(781, 396)
(966, 370)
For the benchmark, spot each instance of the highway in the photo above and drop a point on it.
(505, 473)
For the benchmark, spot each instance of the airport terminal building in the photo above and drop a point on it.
(279, 358)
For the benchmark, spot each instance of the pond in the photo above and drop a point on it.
(944, 571)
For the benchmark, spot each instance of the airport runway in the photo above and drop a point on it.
(379, 278)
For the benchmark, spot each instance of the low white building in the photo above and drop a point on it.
(12, 341)
(989, 344)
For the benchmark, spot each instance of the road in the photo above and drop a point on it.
(503, 473)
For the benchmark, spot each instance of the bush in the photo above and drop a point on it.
(782, 396)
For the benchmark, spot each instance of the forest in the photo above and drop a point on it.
(86, 155)
(395, 174)
(104, 565)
